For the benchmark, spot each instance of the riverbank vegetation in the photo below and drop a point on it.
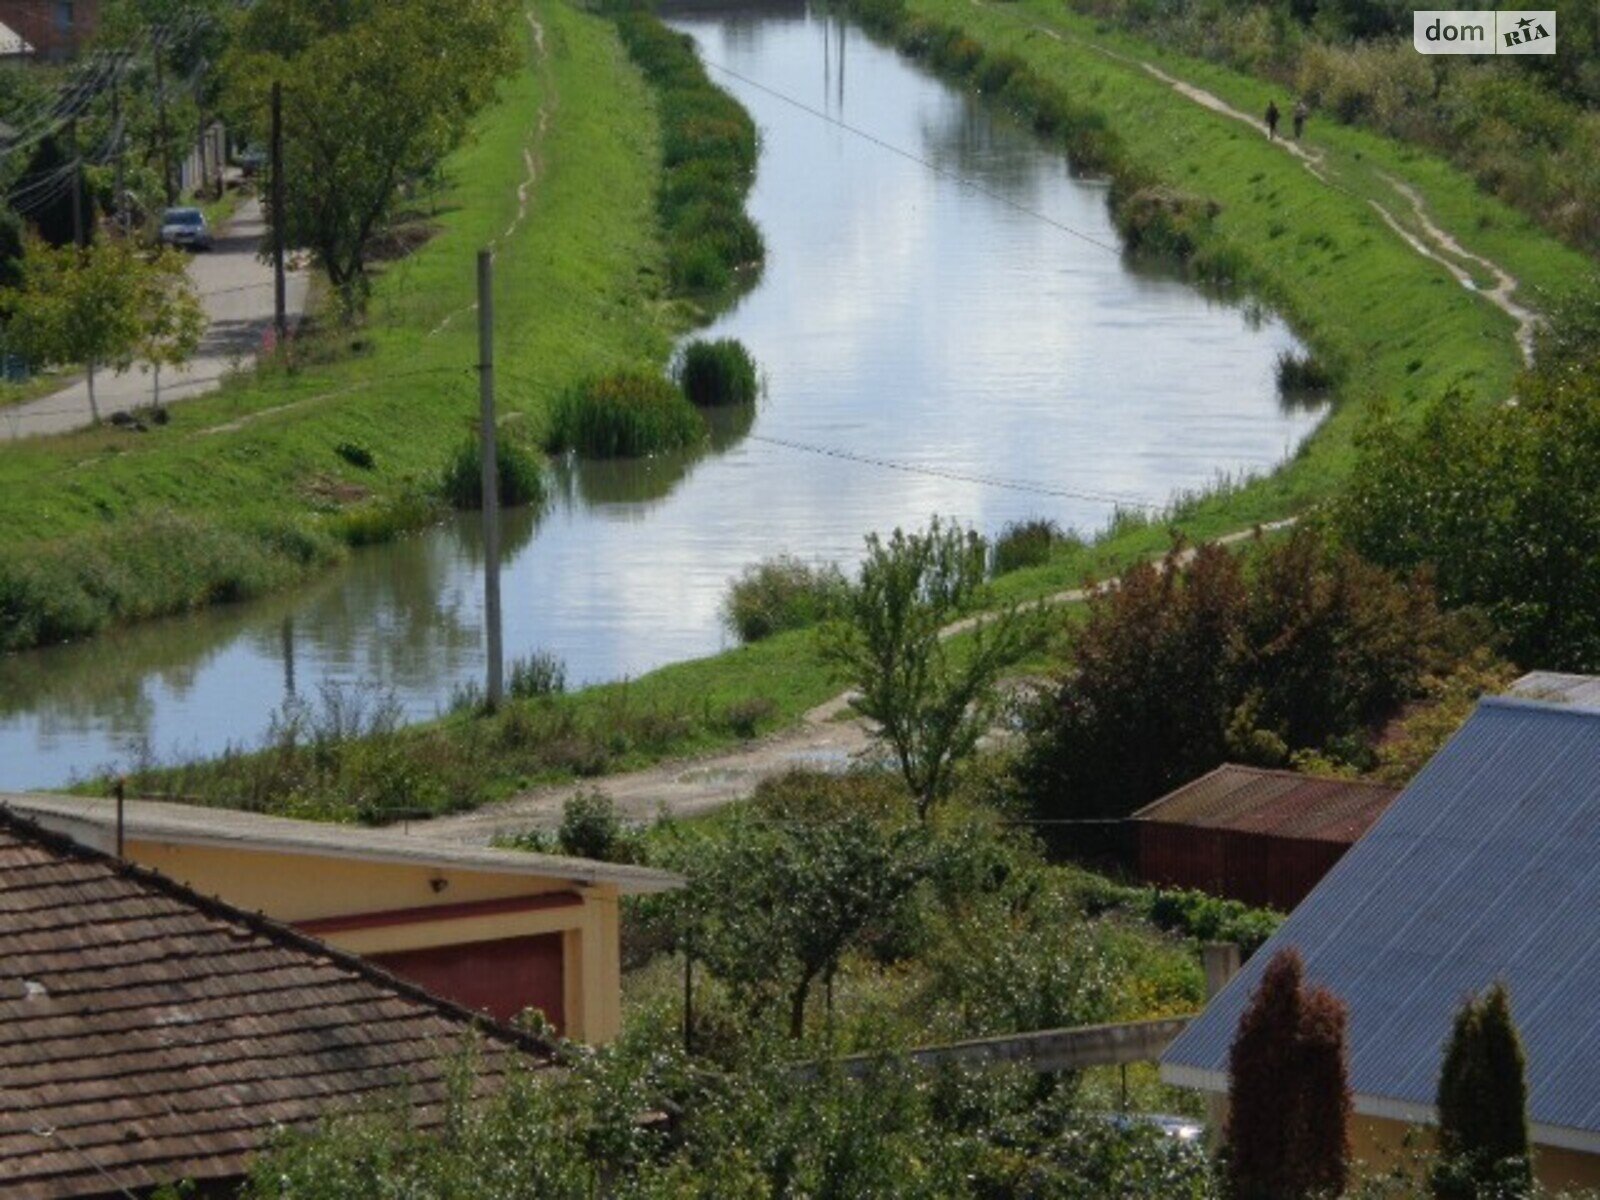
(716, 373)
(254, 472)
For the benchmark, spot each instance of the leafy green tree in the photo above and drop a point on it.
(374, 96)
(930, 700)
(99, 306)
(803, 875)
(1500, 502)
(1289, 1098)
(171, 319)
(1483, 1104)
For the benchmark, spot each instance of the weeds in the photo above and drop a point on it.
(1029, 544)
(623, 415)
(782, 593)
(521, 476)
(540, 674)
(1304, 374)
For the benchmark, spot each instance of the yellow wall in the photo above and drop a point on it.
(295, 888)
(1381, 1145)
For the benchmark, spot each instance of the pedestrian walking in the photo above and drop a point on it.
(1272, 119)
(1301, 112)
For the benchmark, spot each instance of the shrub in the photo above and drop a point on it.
(1029, 543)
(780, 594)
(1303, 374)
(1162, 222)
(356, 455)
(624, 415)
(717, 373)
(744, 718)
(540, 674)
(590, 827)
(521, 476)
(1288, 1091)
(1483, 1104)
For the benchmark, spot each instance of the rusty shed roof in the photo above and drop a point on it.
(1277, 803)
(149, 1034)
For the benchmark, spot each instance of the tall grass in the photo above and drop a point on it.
(714, 374)
(782, 593)
(1030, 543)
(709, 150)
(627, 414)
(521, 477)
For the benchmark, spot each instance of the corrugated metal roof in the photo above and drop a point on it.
(1282, 803)
(1486, 867)
(92, 820)
(148, 1034)
(1552, 686)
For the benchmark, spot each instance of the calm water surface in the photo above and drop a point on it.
(955, 335)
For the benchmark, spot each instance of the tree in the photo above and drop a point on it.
(78, 306)
(171, 320)
(1294, 645)
(931, 701)
(1288, 1091)
(374, 96)
(804, 874)
(1483, 1103)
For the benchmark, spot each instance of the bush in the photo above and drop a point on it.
(1028, 544)
(1298, 645)
(1303, 374)
(590, 828)
(1162, 222)
(624, 415)
(717, 373)
(744, 718)
(521, 476)
(540, 674)
(356, 455)
(780, 594)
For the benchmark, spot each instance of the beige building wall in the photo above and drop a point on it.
(298, 888)
(1381, 1145)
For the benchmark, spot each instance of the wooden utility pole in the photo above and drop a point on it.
(491, 478)
(161, 131)
(280, 299)
(120, 204)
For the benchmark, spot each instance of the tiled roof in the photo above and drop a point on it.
(92, 819)
(1280, 803)
(1487, 867)
(148, 1034)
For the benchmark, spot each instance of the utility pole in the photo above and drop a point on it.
(280, 301)
(121, 208)
(161, 130)
(80, 241)
(491, 477)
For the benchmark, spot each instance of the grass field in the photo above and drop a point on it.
(577, 290)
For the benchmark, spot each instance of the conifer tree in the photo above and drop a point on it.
(1483, 1103)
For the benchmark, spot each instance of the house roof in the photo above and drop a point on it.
(149, 1034)
(92, 819)
(1277, 803)
(1557, 688)
(12, 43)
(1487, 867)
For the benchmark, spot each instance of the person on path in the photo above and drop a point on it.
(1300, 114)
(1272, 119)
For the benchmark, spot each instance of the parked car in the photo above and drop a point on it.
(185, 227)
(252, 160)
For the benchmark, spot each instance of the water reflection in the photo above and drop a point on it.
(931, 327)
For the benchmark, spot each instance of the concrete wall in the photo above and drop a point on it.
(303, 888)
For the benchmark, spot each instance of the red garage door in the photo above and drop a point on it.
(500, 978)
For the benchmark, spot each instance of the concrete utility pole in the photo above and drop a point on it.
(161, 131)
(80, 241)
(280, 302)
(491, 478)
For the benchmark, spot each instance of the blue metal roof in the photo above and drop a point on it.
(1486, 867)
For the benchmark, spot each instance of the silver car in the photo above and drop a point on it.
(185, 227)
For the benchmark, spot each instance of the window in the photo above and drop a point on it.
(64, 16)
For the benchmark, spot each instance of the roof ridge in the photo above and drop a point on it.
(1554, 707)
(274, 931)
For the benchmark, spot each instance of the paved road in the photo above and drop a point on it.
(236, 290)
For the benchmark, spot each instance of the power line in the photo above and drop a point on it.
(963, 180)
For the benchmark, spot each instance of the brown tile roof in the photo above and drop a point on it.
(1278, 803)
(150, 1034)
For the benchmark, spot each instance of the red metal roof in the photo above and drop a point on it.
(149, 1034)
(1275, 803)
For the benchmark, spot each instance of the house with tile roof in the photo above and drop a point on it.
(1485, 868)
(1247, 833)
(149, 1034)
(497, 931)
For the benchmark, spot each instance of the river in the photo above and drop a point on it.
(945, 326)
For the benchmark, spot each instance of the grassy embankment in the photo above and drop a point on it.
(1398, 327)
(244, 491)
